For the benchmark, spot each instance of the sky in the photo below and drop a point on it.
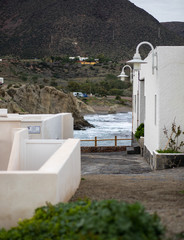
(163, 10)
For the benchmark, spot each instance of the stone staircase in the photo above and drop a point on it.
(134, 149)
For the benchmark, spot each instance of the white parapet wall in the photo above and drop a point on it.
(48, 126)
(21, 192)
(18, 149)
(45, 168)
(41, 126)
(6, 139)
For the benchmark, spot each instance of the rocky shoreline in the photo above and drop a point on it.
(37, 99)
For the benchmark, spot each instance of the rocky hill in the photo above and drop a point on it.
(37, 28)
(177, 27)
(35, 99)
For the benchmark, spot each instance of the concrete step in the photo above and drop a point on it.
(133, 150)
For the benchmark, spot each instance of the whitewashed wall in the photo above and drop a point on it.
(164, 94)
(52, 128)
(67, 125)
(171, 89)
(21, 192)
(18, 149)
(37, 152)
(135, 120)
(66, 162)
(6, 140)
(151, 88)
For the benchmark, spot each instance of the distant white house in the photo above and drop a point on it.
(158, 98)
(82, 58)
(79, 57)
(1, 80)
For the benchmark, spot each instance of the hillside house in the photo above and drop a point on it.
(158, 97)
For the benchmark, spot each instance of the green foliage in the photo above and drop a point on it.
(118, 97)
(140, 131)
(117, 92)
(23, 77)
(87, 220)
(167, 151)
(73, 86)
(110, 86)
(103, 59)
(53, 83)
(179, 236)
(64, 59)
(110, 77)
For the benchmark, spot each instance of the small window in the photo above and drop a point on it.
(155, 109)
(144, 107)
(135, 103)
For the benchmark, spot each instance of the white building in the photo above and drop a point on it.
(39, 163)
(158, 98)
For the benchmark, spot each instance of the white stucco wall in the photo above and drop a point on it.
(164, 94)
(66, 161)
(52, 126)
(38, 170)
(151, 83)
(21, 192)
(67, 125)
(18, 149)
(6, 140)
(141, 81)
(37, 152)
(135, 94)
(171, 90)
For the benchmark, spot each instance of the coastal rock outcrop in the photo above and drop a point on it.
(37, 99)
(112, 109)
(84, 108)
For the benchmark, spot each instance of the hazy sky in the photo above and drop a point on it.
(163, 10)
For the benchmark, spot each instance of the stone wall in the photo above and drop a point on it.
(103, 149)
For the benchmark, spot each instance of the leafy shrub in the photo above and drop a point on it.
(118, 97)
(115, 91)
(167, 151)
(86, 220)
(140, 131)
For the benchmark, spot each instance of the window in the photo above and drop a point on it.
(155, 109)
(134, 103)
(144, 107)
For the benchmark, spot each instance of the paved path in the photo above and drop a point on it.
(121, 163)
(129, 178)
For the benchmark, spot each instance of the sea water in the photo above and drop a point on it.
(107, 126)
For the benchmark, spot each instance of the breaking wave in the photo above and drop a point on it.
(107, 126)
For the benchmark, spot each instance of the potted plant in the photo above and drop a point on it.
(170, 156)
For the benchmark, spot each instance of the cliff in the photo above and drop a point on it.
(41, 100)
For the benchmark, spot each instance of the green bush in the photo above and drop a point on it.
(86, 220)
(140, 131)
(115, 91)
(118, 97)
(167, 151)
